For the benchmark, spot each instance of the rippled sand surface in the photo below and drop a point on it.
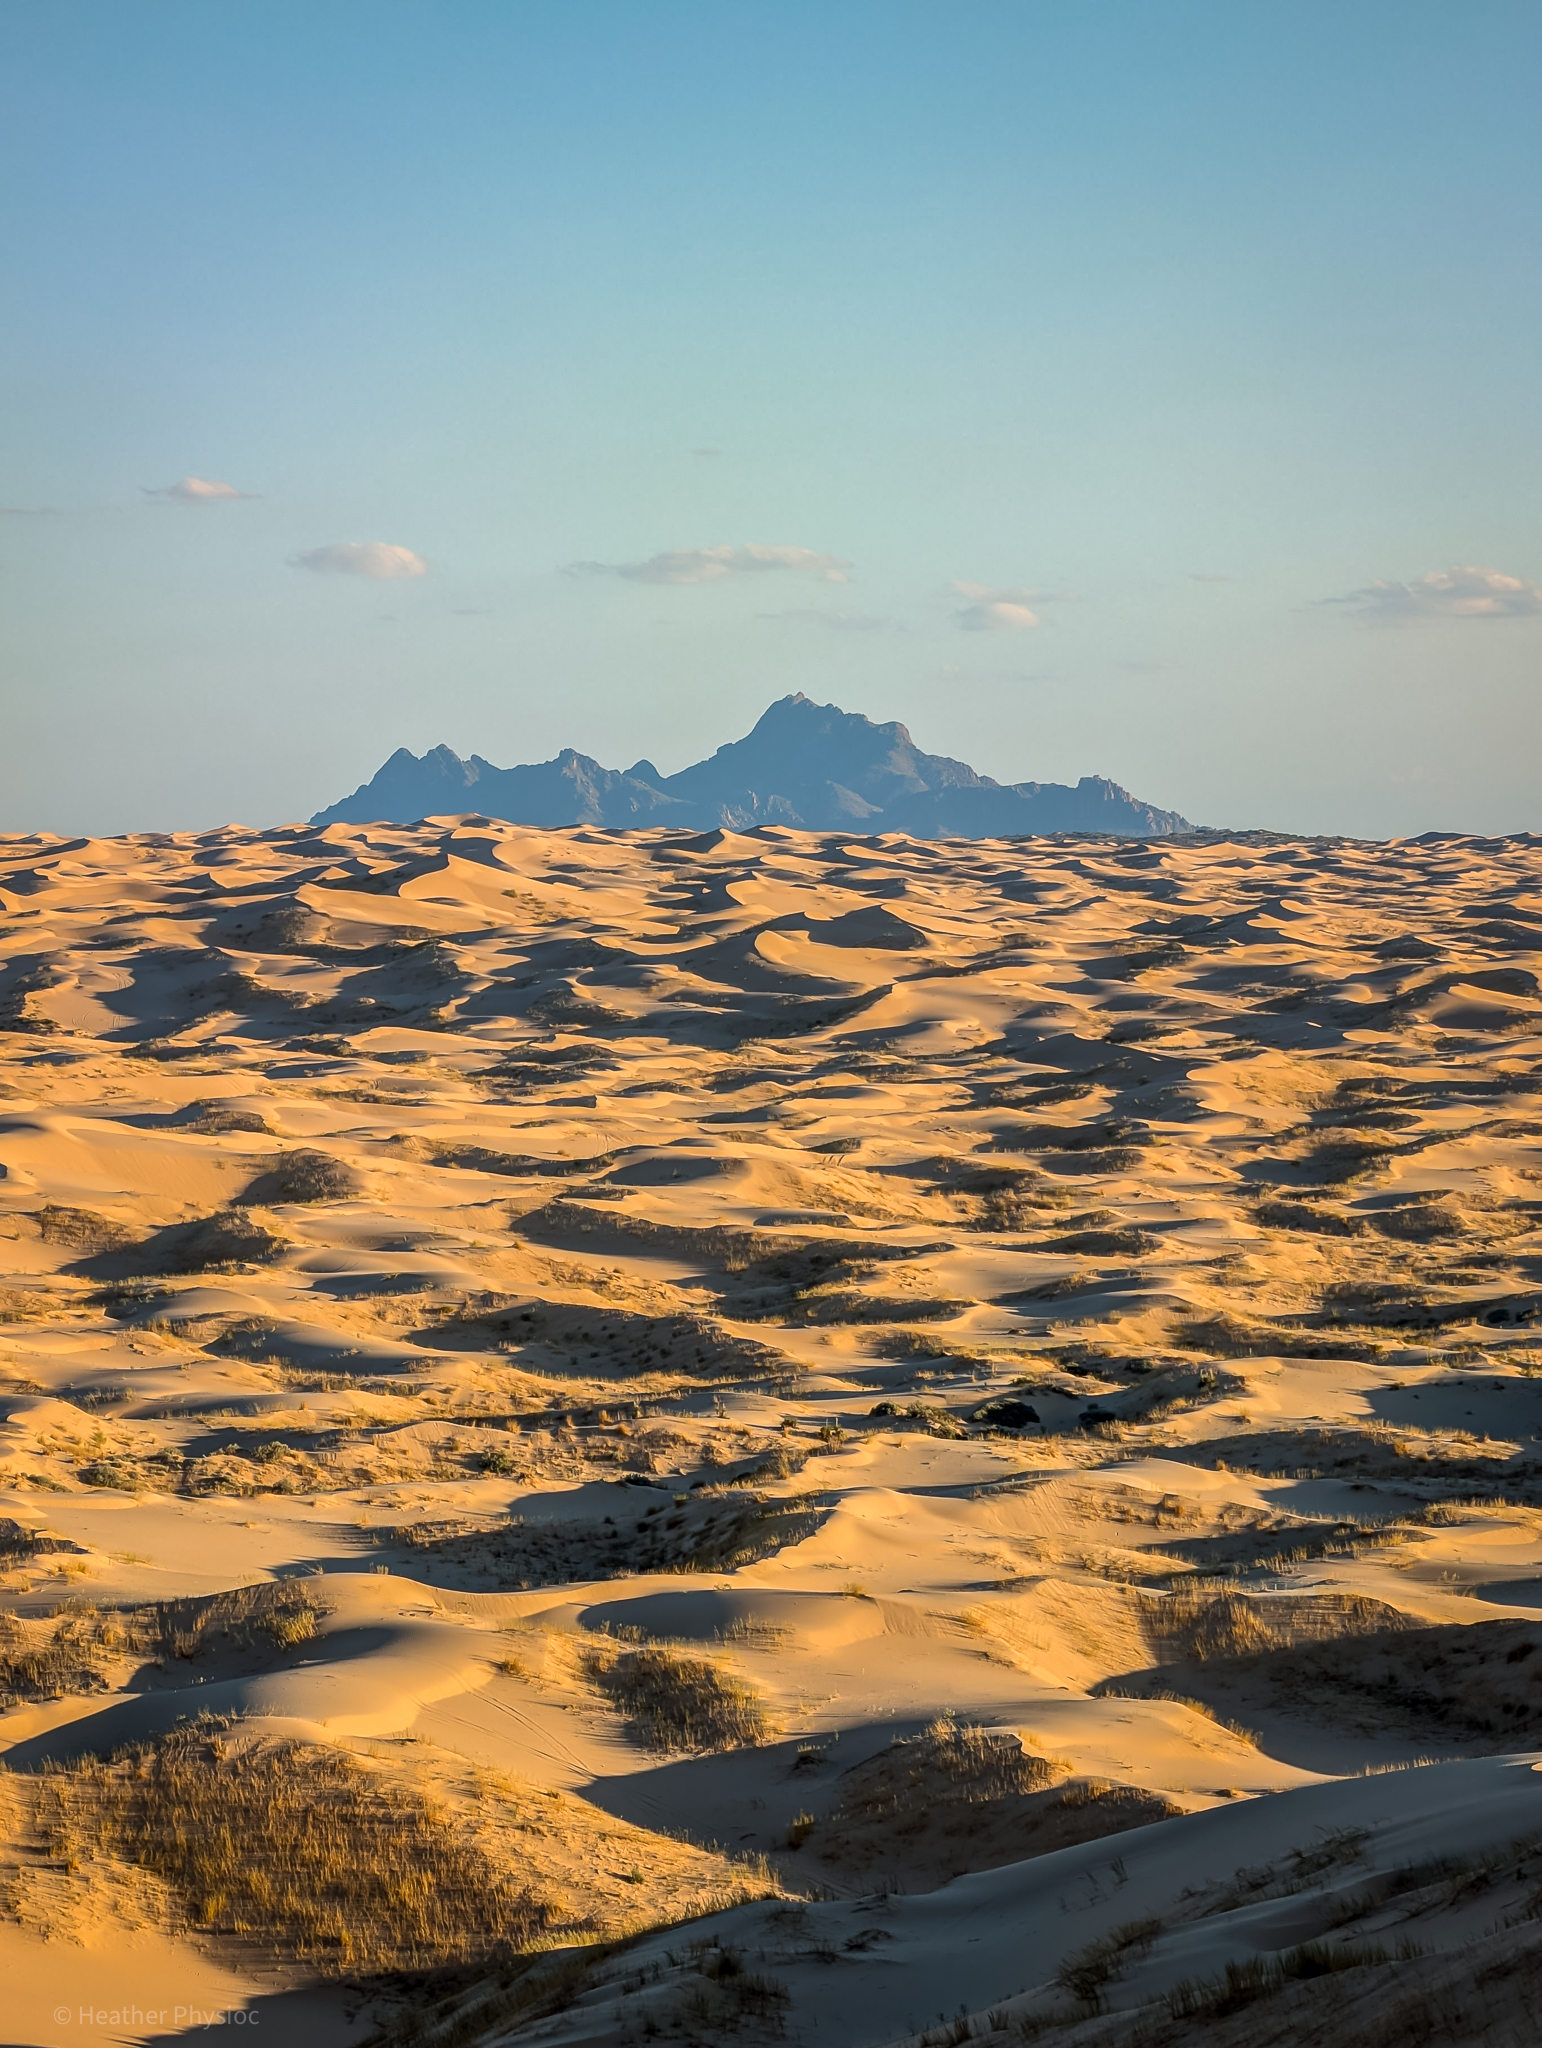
(1041, 1336)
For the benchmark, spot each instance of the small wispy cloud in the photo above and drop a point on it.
(1462, 593)
(381, 560)
(196, 490)
(30, 512)
(994, 611)
(1198, 576)
(712, 564)
(958, 672)
(833, 622)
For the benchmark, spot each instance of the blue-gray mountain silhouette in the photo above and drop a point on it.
(808, 765)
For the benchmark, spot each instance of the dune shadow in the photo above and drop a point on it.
(745, 1798)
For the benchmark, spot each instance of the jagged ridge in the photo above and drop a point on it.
(805, 764)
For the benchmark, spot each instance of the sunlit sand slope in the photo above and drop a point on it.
(905, 1391)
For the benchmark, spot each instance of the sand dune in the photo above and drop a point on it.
(941, 1397)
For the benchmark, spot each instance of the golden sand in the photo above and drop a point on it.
(681, 1314)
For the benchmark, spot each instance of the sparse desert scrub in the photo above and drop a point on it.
(305, 1176)
(715, 1532)
(275, 1614)
(727, 1995)
(80, 1230)
(975, 1764)
(72, 1653)
(1196, 1623)
(74, 1650)
(1086, 1972)
(961, 1797)
(1242, 1984)
(301, 1850)
(677, 1702)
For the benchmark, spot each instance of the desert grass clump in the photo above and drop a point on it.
(679, 1703)
(950, 1762)
(1197, 1624)
(276, 1612)
(1085, 1972)
(980, 1764)
(52, 1660)
(299, 1848)
(80, 1230)
(305, 1176)
(729, 1995)
(1243, 1983)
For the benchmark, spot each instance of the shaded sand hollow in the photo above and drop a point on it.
(634, 1436)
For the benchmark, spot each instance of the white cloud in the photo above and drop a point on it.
(712, 564)
(997, 615)
(379, 559)
(993, 611)
(197, 490)
(833, 622)
(1461, 593)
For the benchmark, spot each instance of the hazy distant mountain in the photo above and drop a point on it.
(805, 764)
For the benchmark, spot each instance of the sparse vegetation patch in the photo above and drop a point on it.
(300, 1849)
(677, 1702)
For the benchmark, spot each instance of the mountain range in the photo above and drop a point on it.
(810, 766)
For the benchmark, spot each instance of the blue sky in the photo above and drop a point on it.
(1146, 390)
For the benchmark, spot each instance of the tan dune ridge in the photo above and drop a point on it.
(622, 1436)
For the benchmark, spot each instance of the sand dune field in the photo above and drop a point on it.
(613, 1437)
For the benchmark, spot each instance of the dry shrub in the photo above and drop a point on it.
(1287, 1214)
(52, 1660)
(80, 1230)
(959, 1797)
(1230, 1336)
(299, 1848)
(729, 1997)
(1423, 1221)
(124, 1473)
(1012, 1208)
(1242, 1984)
(296, 1626)
(305, 1177)
(277, 1613)
(678, 1702)
(1124, 1242)
(1193, 1624)
(70, 1653)
(1468, 1682)
(1347, 1159)
(20, 1304)
(1086, 1972)
(958, 1760)
(214, 1118)
(936, 1421)
(1116, 1806)
(231, 1237)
